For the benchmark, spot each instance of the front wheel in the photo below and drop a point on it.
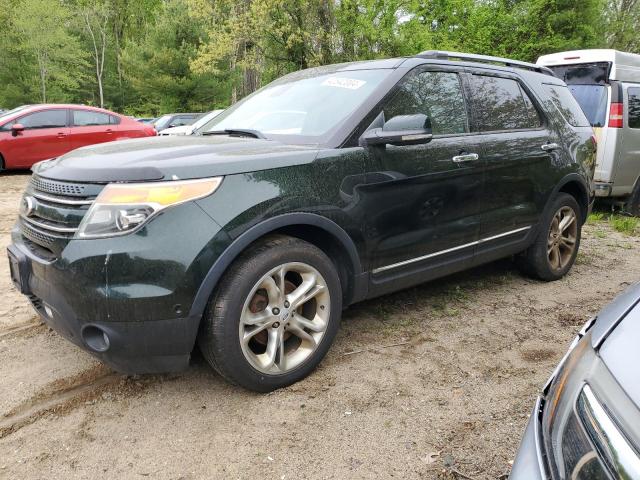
(554, 250)
(273, 316)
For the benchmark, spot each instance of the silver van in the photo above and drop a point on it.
(606, 84)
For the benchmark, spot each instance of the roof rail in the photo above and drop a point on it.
(472, 57)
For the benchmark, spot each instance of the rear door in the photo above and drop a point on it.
(89, 127)
(423, 201)
(45, 135)
(517, 147)
(628, 168)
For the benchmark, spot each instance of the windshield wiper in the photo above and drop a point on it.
(239, 132)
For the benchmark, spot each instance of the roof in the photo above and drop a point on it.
(625, 66)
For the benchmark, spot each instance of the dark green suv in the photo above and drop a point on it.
(328, 186)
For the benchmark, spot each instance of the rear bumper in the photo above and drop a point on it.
(603, 189)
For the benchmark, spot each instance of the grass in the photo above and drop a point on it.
(620, 223)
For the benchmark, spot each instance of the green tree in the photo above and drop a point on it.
(157, 65)
(43, 32)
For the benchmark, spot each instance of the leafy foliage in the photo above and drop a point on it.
(150, 57)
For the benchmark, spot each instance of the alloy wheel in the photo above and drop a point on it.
(284, 318)
(561, 242)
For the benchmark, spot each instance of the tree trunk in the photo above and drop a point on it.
(42, 64)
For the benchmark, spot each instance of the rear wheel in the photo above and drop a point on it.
(554, 250)
(273, 316)
(633, 204)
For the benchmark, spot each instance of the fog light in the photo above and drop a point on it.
(96, 338)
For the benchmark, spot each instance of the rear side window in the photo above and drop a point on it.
(44, 119)
(85, 118)
(438, 95)
(569, 108)
(113, 120)
(502, 104)
(634, 107)
(593, 100)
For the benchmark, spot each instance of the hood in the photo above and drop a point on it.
(173, 157)
(611, 315)
(181, 130)
(621, 355)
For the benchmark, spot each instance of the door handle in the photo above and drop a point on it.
(467, 157)
(109, 131)
(61, 135)
(547, 147)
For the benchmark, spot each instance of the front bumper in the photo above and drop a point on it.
(529, 463)
(126, 300)
(130, 347)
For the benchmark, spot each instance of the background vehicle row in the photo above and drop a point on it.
(33, 133)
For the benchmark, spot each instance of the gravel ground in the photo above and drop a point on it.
(424, 383)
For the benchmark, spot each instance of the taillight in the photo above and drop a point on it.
(594, 140)
(615, 115)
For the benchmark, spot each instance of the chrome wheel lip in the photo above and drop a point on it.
(288, 320)
(562, 238)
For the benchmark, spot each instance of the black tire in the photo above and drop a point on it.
(535, 261)
(219, 339)
(633, 203)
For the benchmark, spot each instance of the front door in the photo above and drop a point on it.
(424, 201)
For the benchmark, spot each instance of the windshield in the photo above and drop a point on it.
(162, 121)
(205, 118)
(593, 100)
(303, 106)
(5, 115)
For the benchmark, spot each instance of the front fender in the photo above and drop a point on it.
(258, 231)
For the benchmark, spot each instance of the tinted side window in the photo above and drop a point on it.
(501, 104)
(634, 107)
(438, 95)
(44, 119)
(182, 120)
(569, 108)
(113, 120)
(84, 118)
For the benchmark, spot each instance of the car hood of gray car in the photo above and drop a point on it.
(173, 157)
(619, 349)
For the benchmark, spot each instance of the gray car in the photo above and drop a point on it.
(586, 422)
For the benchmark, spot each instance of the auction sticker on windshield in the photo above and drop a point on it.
(340, 82)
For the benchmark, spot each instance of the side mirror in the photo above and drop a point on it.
(16, 129)
(400, 130)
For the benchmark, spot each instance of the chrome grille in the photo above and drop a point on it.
(35, 236)
(52, 211)
(56, 187)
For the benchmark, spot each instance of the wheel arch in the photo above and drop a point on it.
(574, 185)
(315, 229)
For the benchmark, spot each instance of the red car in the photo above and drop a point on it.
(32, 133)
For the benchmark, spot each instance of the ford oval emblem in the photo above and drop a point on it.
(28, 206)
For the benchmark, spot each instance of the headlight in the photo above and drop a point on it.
(124, 207)
(581, 441)
(568, 448)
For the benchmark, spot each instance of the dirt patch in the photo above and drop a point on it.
(535, 355)
(423, 383)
